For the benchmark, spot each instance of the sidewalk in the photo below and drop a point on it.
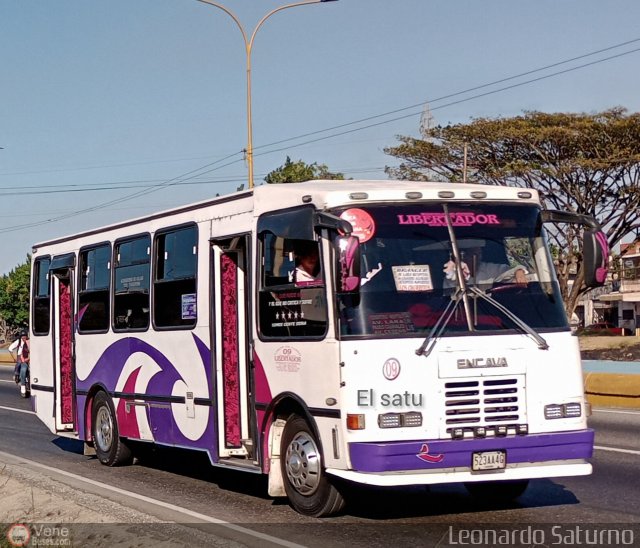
(57, 514)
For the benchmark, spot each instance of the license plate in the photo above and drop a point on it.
(488, 460)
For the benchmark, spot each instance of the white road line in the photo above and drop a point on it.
(616, 411)
(16, 410)
(617, 450)
(190, 513)
(8, 382)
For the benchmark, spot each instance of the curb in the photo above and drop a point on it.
(612, 389)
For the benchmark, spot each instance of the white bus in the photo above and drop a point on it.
(427, 344)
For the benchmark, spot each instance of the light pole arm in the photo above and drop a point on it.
(230, 14)
(248, 45)
(276, 10)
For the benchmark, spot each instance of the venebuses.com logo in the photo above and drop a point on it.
(18, 534)
(21, 535)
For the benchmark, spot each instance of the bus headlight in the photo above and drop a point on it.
(562, 410)
(398, 420)
(572, 409)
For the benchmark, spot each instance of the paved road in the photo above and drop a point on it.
(180, 481)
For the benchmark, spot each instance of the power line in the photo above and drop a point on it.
(181, 179)
(361, 120)
(458, 93)
(452, 103)
(115, 201)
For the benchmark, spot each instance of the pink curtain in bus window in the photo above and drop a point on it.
(66, 365)
(230, 359)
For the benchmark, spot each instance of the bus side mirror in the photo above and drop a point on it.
(348, 264)
(595, 257)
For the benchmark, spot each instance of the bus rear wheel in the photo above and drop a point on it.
(306, 483)
(497, 491)
(110, 449)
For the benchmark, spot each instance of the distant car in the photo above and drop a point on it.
(603, 328)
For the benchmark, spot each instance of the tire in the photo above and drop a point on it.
(497, 491)
(305, 481)
(110, 449)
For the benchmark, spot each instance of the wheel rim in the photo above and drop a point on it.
(302, 464)
(104, 429)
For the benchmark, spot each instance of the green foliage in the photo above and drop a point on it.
(14, 296)
(586, 163)
(297, 172)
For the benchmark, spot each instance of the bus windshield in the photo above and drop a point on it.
(413, 264)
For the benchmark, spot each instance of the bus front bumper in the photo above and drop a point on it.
(443, 461)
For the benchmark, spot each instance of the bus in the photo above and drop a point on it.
(396, 362)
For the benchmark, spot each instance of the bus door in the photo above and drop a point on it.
(231, 342)
(61, 270)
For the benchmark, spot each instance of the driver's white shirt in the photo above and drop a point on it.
(488, 272)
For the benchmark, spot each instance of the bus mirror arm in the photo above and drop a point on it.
(556, 216)
(332, 222)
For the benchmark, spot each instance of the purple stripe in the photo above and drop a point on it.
(165, 429)
(430, 454)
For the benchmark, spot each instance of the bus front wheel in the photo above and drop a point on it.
(306, 484)
(110, 449)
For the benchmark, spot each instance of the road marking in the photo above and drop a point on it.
(616, 450)
(178, 509)
(616, 411)
(8, 382)
(17, 410)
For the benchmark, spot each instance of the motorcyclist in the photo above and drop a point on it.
(21, 348)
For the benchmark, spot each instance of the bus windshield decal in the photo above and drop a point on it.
(457, 219)
(364, 227)
(415, 277)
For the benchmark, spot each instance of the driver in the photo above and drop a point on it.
(484, 272)
(480, 268)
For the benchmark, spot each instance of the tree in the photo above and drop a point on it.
(297, 172)
(585, 163)
(14, 296)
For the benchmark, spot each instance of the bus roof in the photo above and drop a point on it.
(331, 193)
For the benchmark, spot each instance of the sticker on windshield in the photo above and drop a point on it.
(416, 277)
(363, 224)
(391, 323)
(457, 219)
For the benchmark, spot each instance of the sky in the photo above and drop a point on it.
(113, 110)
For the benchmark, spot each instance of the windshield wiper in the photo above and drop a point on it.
(429, 343)
(542, 344)
(427, 346)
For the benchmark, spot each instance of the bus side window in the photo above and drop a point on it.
(93, 293)
(41, 303)
(289, 306)
(131, 282)
(174, 285)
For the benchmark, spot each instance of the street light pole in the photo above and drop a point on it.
(248, 45)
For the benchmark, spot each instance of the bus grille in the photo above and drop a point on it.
(484, 405)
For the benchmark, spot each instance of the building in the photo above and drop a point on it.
(620, 305)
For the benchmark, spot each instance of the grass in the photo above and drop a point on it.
(603, 342)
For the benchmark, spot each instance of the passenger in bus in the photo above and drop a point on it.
(308, 270)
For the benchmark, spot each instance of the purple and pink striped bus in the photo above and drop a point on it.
(426, 342)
